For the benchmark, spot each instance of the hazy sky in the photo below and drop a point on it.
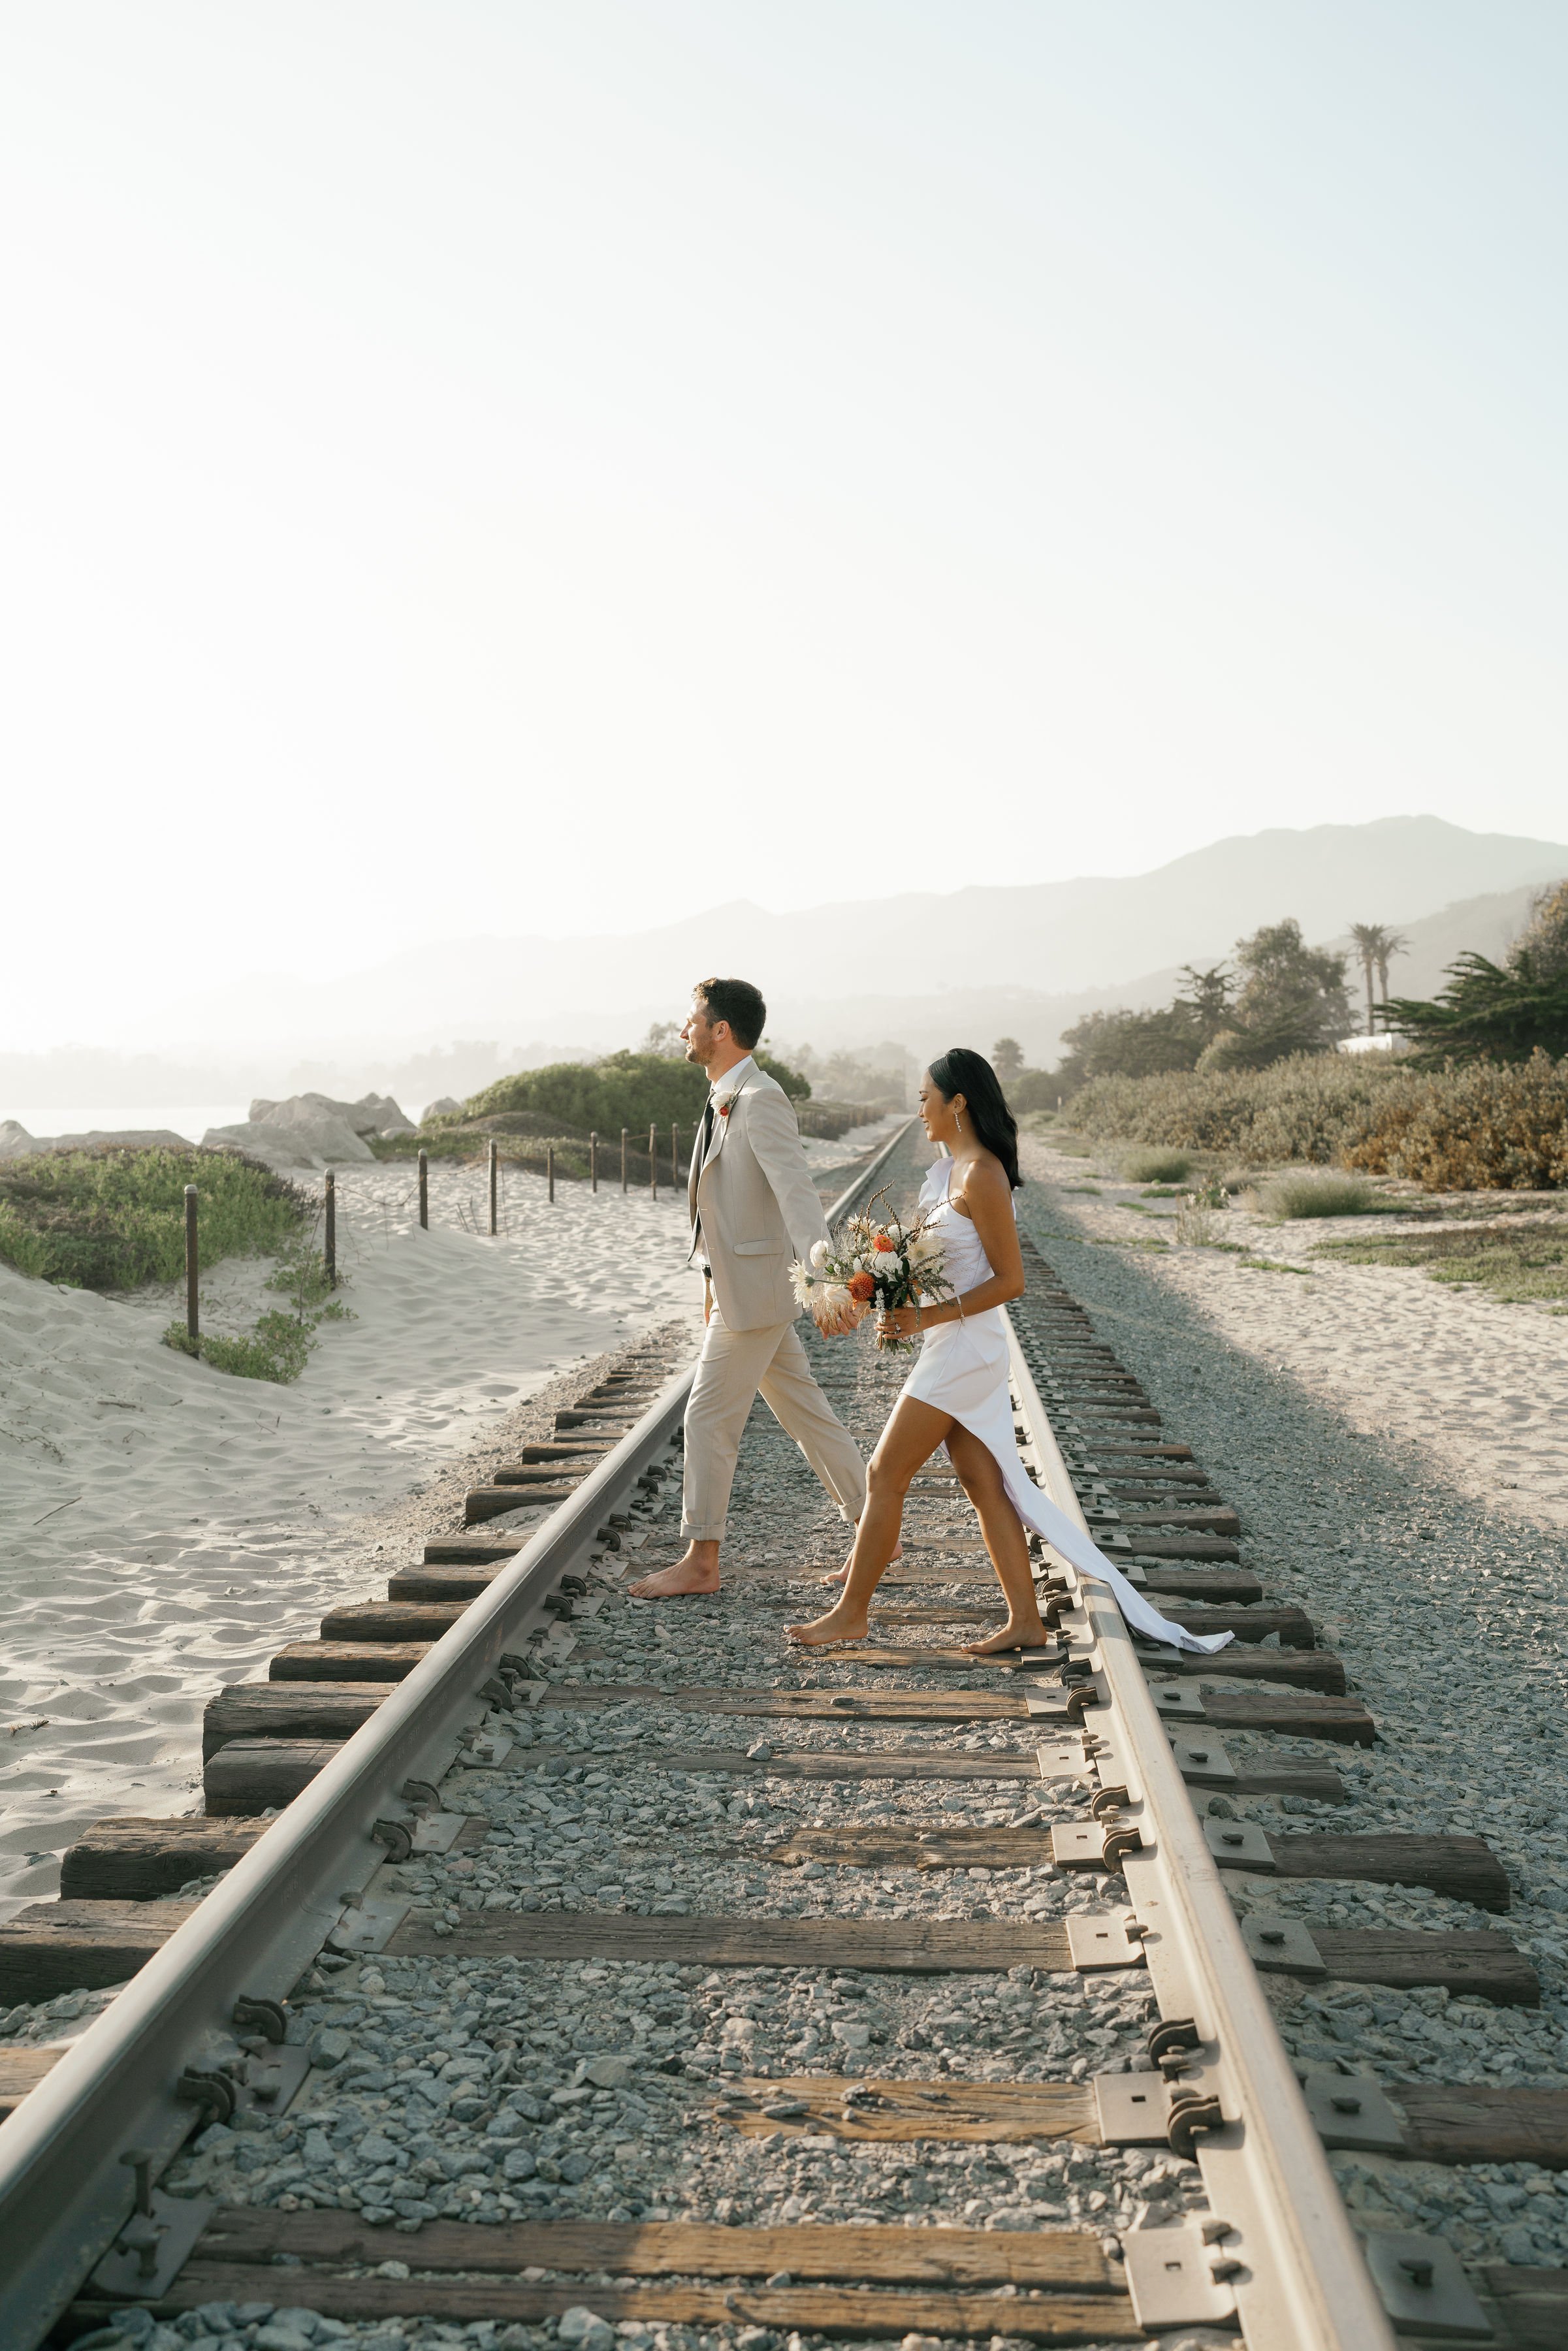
(481, 468)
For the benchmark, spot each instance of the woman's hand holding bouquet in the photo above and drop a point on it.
(873, 1262)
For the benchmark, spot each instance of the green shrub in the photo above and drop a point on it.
(114, 1218)
(633, 1090)
(1155, 1167)
(1320, 1195)
(278, 1349)
(280, 1345)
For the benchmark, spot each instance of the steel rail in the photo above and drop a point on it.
(65, 2188)
(1303, 2283)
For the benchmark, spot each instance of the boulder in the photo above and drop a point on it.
(293, 1133)
(444, 1108)
(137, 1138)
(273, 1146)
(378, 1114)
(15, 1141)
(371, 1115)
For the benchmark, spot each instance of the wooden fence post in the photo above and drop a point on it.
(624, 1186)
(495, 1180)
(329, 1249)
(549, 1170)
(424, 1191)
(192, 1266)
(654, 1160)
(674, 1156)
(594, 1163)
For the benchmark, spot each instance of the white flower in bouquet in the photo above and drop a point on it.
(819, 1255)
(806, 1285)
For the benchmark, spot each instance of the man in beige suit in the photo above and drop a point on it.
(754, 1209)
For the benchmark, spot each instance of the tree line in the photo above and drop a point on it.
(1275, 996)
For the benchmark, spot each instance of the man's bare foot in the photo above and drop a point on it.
(1011, 1636)
(697, 1573)
(839, 1573)
(840, 1624)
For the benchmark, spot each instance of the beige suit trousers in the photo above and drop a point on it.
(735, 1367)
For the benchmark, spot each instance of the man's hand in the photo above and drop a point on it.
(840, 1324)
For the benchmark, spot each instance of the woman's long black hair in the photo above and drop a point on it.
(961, 1072)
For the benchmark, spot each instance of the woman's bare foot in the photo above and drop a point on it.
(1011, 1636)
(839, 1573)
(840, 1624)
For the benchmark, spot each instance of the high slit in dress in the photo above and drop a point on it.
(963, 1370)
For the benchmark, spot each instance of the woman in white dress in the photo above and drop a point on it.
(958, 1393)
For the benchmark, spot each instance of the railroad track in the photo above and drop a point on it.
(593, 1971)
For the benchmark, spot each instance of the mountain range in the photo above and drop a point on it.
(926, 969)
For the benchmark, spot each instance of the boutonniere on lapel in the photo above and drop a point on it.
(726, 1105)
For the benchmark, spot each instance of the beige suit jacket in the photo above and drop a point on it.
(758, 1206)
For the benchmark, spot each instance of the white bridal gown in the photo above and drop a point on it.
(963, 1369)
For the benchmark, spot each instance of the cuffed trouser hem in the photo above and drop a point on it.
(735, 1367)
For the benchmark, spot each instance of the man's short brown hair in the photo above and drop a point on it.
(736, 1002)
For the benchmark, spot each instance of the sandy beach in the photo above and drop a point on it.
(165, 1525)
(1479, 1387)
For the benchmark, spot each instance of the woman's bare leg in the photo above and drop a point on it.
(913, 1432)
(980, 1474)
(839, 1575)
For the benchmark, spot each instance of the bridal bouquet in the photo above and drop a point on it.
(873, 1261)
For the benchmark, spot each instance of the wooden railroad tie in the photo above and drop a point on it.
(1474, 1961)
(1463, 1867)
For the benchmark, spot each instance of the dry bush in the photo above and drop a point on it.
(1319, 1193)
(1488, 1126)
(1484, 1126)
(1308, 1107)
(1155, 1167)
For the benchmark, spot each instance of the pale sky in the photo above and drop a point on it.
(477, 467)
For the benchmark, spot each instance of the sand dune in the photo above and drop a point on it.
(164, 1525)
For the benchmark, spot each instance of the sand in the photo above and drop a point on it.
(165, 1527)
(1479, 1387)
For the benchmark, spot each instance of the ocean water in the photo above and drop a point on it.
(191, 1120)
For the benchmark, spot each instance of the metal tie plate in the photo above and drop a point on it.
(1132, 2109)
(1204, 1761)
(367, 1925)
(1170, 2275)
(1351, 2112)
(1175, 1698)
(438, 1832)
(1078, 1844)
(1103, 1938)
(1239, 1845)
(1282, 1947)
(1424, 2287)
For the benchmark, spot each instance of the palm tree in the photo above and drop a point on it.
(1375, 947)
(1394, 943)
